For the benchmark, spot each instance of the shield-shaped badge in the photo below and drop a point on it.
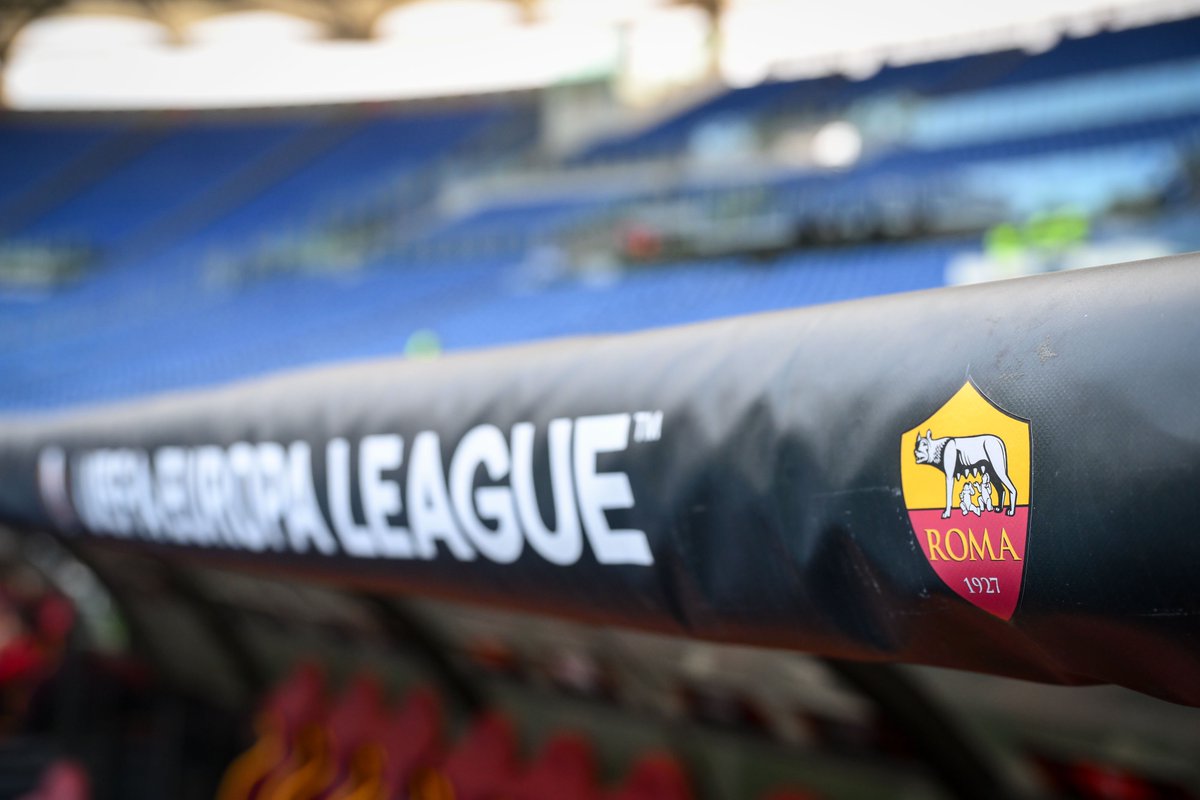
(966, 475)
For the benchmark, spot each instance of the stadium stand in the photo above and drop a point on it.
(963, 76)
(45, 150)
(222, 246)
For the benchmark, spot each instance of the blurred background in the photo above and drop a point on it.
(199, 191)
(481, 172)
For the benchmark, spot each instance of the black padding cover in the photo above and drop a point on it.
(764, 505)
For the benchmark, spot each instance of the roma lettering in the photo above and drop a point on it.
(954, 544)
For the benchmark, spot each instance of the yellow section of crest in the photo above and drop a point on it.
(967, 413)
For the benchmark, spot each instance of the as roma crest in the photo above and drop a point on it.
(965, 472)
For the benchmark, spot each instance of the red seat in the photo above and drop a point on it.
(285, 726)
(412, 740)
(355, 722)
(405, 743)
(481, 767)
(564, 770)
(655, 777)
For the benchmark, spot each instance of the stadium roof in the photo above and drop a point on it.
(757, 38)
(350, 19)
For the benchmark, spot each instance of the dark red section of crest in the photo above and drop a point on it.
(982, 558)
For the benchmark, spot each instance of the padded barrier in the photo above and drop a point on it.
(774, 479)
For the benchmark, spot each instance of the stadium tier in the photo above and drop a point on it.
(957, 77)
(34, 151)
(166, 227)
(259, 241)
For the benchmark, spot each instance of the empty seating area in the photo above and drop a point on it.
(357, 745)
(45, 150)
(180, 164)
(229, 245)
(1116, 50)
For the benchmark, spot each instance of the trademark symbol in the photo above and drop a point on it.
(647, 426)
